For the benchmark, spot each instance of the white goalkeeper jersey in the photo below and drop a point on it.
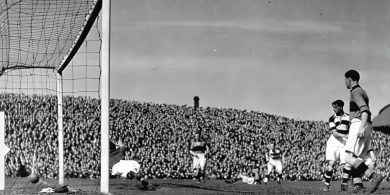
(125, 166)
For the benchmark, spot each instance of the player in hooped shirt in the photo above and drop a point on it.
(339, 128)
(274, 159)
(198, 149)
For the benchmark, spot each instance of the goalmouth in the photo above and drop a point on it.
(47, 35)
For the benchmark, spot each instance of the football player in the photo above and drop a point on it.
(274, 159)
(198, 149)
(338, 126)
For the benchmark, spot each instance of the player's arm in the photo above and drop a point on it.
(364, 110)
(190, 149)
(338, 135)
(332, 125)
(333, 129)
(207, 148)
(372, 155)
(266, 157)
(364, 120)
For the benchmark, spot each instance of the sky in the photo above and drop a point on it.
(282, 57)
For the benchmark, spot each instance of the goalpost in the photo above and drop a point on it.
(105, 99)
(46, 36)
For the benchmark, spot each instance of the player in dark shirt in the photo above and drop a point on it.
(360, 134)
(198, 149)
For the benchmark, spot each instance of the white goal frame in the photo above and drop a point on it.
(105, 97)
(59, 67)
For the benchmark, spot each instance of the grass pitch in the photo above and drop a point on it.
(19, 186)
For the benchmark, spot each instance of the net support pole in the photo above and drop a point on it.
(105, 98)
(60, 131)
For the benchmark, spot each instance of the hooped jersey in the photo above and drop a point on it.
(339, 123)
(275, 153)
(198, 146)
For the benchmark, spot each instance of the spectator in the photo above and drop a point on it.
(156, 135)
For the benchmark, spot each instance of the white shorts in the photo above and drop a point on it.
(248, 180)
(369, 162)
(274, 163)
(334, 147)
(358, 146)
(199, 161)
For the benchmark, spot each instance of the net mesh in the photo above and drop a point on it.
(40, 34)
(37, 39)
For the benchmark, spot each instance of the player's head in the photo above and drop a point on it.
(131, 175)
(351, 77)
(272, 146)
(338, 106)
(197, 134)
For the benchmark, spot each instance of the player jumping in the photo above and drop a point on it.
(198, 149)
(338, 126)
(274, 158)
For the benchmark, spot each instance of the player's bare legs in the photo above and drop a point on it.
(359, 168)
(279, 171)
(345, 177)
(270, 168)
(201, 175)
(279, 178)
(257, 176)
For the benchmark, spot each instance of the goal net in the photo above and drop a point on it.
(50, 86)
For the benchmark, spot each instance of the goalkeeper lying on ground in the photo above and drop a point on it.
(252, 178)
(130, 169)
(126, 169)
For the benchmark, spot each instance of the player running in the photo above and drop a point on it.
(198, 149)
(274, 159)
(338, 127)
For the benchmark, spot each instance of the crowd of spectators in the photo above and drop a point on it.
(157, 135)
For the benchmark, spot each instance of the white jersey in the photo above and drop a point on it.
(125, 166)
